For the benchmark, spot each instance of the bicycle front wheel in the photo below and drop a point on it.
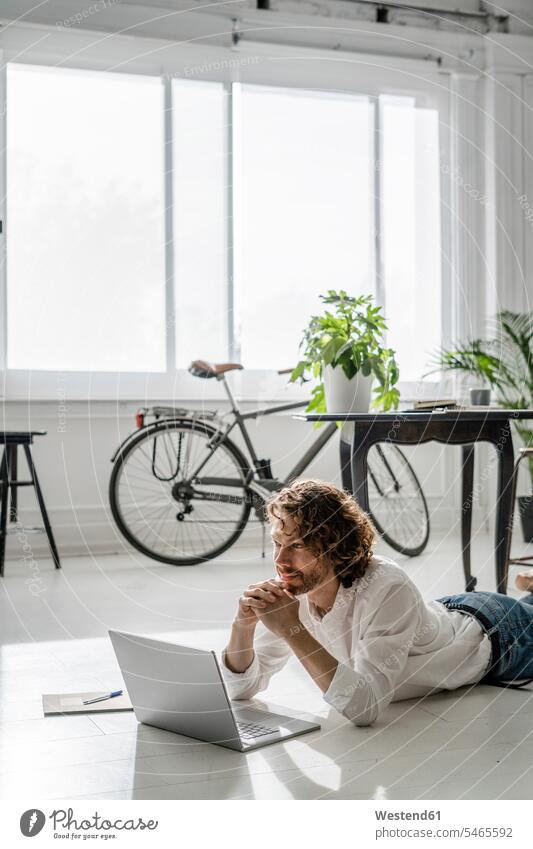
(178, 492)
(397, 503)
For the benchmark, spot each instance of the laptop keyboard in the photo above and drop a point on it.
(251, 730)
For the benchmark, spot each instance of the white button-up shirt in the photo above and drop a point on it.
(389, 643)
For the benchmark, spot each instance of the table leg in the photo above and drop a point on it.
(12, 474)
(42, 506)
(359, 467)
(466, 514)
(4, 478)
(345, 449)
(504, 505)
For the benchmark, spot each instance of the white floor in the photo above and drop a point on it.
(473, 743)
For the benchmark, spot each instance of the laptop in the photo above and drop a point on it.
(182, 689)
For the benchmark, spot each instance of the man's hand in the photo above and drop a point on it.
(274, 606)
(282, 617)
(255, 599)
(271, 603)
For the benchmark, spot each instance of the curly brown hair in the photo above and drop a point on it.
(329, 522)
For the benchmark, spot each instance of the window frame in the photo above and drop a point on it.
(3, 203)
(314, 68)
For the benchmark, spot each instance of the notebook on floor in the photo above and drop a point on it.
(61, 703)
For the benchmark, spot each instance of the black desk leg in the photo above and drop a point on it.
(40, 499)
(346, 465)
(4, 483)
(504, 506)
(12, 474)
(466, 514)
(360, 467)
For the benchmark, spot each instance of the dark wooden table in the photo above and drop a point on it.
(452, 427)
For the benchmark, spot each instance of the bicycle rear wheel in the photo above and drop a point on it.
(397, 503)
(174, 498)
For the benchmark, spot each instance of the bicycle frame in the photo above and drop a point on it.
(258, 481)
(239, 421)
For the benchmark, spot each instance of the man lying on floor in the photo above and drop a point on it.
(357, 623)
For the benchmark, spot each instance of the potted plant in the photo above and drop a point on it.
(505, 363)
(343, 349)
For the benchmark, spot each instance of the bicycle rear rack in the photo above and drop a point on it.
(172, 413)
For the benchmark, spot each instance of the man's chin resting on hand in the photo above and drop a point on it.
(356, 622)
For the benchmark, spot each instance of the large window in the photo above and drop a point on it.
(85, 219)
(303, 186)
(410, 226)
(118, 263)
(201, 226)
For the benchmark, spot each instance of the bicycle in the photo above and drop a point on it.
(181, 491)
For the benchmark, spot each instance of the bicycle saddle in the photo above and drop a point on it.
(201, 368)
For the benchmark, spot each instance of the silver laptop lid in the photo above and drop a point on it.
(175, 687)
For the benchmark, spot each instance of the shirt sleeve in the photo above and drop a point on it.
(362, 688)
(271, 653)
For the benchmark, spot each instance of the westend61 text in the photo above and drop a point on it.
(407, 815)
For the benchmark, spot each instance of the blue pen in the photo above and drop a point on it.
(103, 698)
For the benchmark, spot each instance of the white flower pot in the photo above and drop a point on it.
(344, 395)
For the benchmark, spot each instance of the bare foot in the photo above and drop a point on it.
(524, 581)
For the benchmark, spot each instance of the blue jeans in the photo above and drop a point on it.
(509, 624)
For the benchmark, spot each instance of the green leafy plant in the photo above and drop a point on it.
(504, 362)
(349, 335)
